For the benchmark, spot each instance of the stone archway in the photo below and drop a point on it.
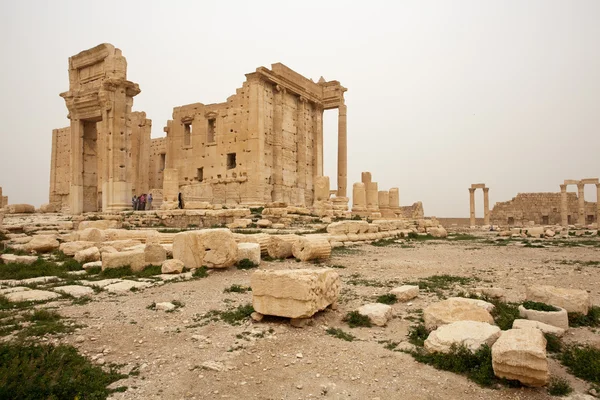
(564, 208)
(486, 203)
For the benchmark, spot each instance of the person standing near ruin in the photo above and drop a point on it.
(149, 201)
(180, 198)
(142, 206)
(134, 201)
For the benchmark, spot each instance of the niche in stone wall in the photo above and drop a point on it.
(231, 161)
(200, 174)
(211, 129)
(187, 134)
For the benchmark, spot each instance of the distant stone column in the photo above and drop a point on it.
(581, 200)
(395, 200)
(365, 177)
(359, 197)
(486, 206)
(384, 204)
(564, 213)
(472, 205)
(598, 204)
(342, 152)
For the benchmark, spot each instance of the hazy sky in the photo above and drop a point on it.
(441, 94)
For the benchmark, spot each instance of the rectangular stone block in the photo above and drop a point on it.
(572, 300)
(294, 293)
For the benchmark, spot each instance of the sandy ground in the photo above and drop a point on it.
(273, 360)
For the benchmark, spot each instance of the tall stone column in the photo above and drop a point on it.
(342, 152)
(372, 196)
(318, 123)
(581, 201)
(277, 145)
(301, 151)
(564, 209)
(598, 204)
(486, 206)
(472, 205)
(384, 204)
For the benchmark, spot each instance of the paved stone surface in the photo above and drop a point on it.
(101, 284)
(126, 286)
(31, 295)
(75, 290)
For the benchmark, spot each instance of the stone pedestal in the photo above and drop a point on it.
(372, 196)
(384, 204)
(359, 199)
(322, 205)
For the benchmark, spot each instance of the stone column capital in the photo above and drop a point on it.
(580, 186)
(597, 185)
(563, 188)
(472, 190)
(485, 190)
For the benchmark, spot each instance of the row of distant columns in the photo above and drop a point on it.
(564, 203)
(486, 203)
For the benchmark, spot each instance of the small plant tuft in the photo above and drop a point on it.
(354, 319)
(592, 318)
(235, 288)
(537, 306)
(417, 335)
(340, 334)
(582, 361)
(553, 343)
(559, 386)
(388, 298)
(246, 264)
(201, 272)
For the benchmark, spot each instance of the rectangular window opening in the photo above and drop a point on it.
(511, 221)
(231, 162)
(212, 128)
(545, 220)
(187, 134)
(200, 174)
(163, 161)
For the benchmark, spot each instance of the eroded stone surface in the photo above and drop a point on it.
(572, 300)
(378, 313)
(75, 290)
(452, 310)
(470, 334)
(520, 354)
(250, 251)
(558, 318)
(31, 295)
(294, 293)
(545, 328)
(126, 286)
(405, 293)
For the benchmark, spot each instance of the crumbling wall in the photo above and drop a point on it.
(60, 168)
(157, 163)
(414, 211)
(542, 208)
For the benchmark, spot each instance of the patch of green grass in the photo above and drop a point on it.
(387, 299)
(417, 335)
(476, 366)
(44, 322)
(51, 372)
(94, 270)
(201, 272)
(504, 314)
(592, 318)
(246, 264)
(537, 306)
(122, 272)
(340, 334)
(354, 319)
(582, 361)
(436, 283)
(237, 315)
(39, 268)
(235, 288)
(559, 386)
(553, 343)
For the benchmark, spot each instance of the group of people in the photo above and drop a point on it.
(143, 202)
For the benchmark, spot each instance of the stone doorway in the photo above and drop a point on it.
(90, 166)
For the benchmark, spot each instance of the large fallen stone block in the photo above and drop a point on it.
(280, 246)
(558, 318)
(378, 313)
(12, 258)
(42, 244)
(470, 334)
(155, 254)
(214, 248)
(311, 248)
(452, 310)
(20, 209)
(437, 232)
(345, 227)
(250, 251)
(135, 259)
(92, 235)
(70, 248)
(294, 293)
(261, 238)
(173, 266)
(520, 354)
(572, 300)
(87, 255)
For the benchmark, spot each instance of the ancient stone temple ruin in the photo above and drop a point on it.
(486, 203)
(564, 208)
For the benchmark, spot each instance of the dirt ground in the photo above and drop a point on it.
(273, 360)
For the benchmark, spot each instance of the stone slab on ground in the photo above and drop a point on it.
(102, 283)
(126, 286)
(31, 295)
(405, 293)
(13, 289)
(470, 334)
(12, 258)
(378, 313)
(572, 300)
(545, 328)
(520, 354)
(452, 310)
(296, 293)
(75, 290)
(170, 277)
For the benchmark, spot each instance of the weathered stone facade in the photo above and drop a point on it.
(542, 208)
(265, 143)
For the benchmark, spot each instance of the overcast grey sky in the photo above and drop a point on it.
(441, 94)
